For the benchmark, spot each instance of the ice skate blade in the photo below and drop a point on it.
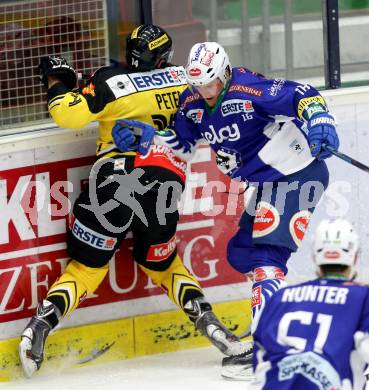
(237, 373)
(28, 365)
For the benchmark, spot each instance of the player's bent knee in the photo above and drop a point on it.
(76, 283)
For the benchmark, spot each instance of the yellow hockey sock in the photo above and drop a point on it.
(76, 282)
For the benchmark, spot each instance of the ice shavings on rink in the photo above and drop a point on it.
(197, 369)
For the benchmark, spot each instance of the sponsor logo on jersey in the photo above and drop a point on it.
(162, 156)
(313, 367)
(228, 160)
(189, 99)
(227, 133)
(306, 102)
(266, 219)
(195, 115)
(235, 106)
(121, 85)
(194, 72)
(160, 252)
(299, 224)
(159, 78)
(276, 86)
(245, 89)
(89, 90)
(92, 238)
(313, 109)
(158, 42)
(296, 146)
(256, 296)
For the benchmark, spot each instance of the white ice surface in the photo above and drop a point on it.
(197, 369)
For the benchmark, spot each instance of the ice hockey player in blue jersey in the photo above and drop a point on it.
(311, 335)
(269, 133)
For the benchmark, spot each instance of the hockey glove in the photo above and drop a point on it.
(129, 134)
(322, 130)
(124, 138)
(57, 66)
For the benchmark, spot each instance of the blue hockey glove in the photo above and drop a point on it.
(124, 137)
(322, 130)
(143, 131)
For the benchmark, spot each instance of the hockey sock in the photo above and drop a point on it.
(266, 281)
(76, 282)
(177, 282)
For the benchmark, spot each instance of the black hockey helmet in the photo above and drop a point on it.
(148, 47)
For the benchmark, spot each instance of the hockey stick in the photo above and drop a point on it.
(95, 353)
(346, 158)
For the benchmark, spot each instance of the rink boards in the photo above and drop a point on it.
(41, 175)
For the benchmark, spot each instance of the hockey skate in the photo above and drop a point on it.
(31, 347)
(205, 320)
(238, 367)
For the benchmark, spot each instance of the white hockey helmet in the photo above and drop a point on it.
(335, 242)
(207, 61)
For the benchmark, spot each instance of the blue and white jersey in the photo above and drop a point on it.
(310, 334)
(257, 129)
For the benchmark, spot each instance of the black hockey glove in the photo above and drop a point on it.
(59, 67)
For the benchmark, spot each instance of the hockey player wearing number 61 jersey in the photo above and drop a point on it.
(269, 133)
(315, 335)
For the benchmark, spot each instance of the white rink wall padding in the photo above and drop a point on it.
(348, 192)
(42, 173)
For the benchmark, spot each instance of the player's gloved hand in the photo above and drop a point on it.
(129, 134)
(182, 149)
(123, 137)
(58, 67)
(322, 130)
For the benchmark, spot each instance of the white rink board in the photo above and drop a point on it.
(348, 184)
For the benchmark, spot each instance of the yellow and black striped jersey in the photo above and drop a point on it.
(116, 93)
